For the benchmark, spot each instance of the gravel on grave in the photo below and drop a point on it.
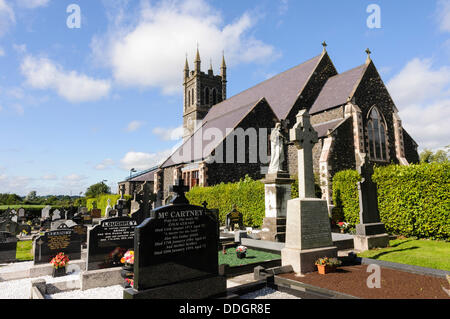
(268, 293)
(112, 292)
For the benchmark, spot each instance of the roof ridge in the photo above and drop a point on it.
(269, 79)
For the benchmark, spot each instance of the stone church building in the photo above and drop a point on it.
(352, 112)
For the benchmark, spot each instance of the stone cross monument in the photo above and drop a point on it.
(370, 232)
(277, 190)
(308, 231)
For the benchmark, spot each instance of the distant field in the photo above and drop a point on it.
(3, 207)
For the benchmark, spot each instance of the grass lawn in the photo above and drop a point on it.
(425, 253)
(253, 256)
(24, 250)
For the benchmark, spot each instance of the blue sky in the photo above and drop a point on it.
(82, 105)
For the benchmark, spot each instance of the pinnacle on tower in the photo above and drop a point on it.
(197, 61)
(186, 68)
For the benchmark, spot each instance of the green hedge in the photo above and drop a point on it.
(102, 201)
(247, 195)
(413, 200)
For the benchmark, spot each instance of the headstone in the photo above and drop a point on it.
(96, 213)
(10, 226)
(143, 202)
(112, 213)
(176, 253)
(53, 242)
(109, 241)
(78, 219)
(14, 217)
(8, 247)
(55, 224)
(21, 214)
(45, 212)
(370, 232)
(232, 218)
(308, 230)
(81, 230)
(56, 214)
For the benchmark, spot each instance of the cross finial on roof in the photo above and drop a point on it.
(368, 54)
(324, 44)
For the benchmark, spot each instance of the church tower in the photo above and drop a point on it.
(201, 92)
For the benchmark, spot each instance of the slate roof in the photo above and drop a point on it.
(149, 176)
(322, 128)
(338, 89)
(280, 91)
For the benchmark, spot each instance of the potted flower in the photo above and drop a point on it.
(241, 252)
(59, 263)
(128, 260)
(127, 269)
(343, 226)
(326, 265)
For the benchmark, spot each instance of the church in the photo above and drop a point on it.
(352, 112)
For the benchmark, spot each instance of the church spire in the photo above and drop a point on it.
(197, 61)
(223, 74)
(186, 68)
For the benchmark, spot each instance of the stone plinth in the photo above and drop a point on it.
(363, 243)
(277, 193)
(308, 234)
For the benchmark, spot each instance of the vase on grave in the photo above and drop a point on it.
(127, 273)
(59, 272)
(241, 255)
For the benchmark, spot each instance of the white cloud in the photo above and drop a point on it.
(75, 178)
(134, 126)
(31, 4)
(422, 95)
(7, 17)
(444, 15)
(171, 134)
(49, 177)
(142, 161)
(2, 52)
(151, 52)
(15, 184)
(41, 73)
(105, 164)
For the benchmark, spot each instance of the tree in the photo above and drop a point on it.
(441, 156)
(31, 198)
(97, 189)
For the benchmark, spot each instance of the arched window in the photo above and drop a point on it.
(193, 97)
(207, 96)
(376, 129)
(214, 94)
(188, 102)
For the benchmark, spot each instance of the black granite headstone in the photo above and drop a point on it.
(82, 231)
(10, 226)
(109, 241)
(176, 245)
(234, 217)
(53, 242)
(369, 215)
(8, 247)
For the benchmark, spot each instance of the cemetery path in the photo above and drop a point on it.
(395, 284)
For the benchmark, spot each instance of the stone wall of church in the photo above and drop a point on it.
(329, 115)
(324, 70)
(411, 154)
(261, 117)
(342, 154)
(370, 92)
(292, 156)
(167, 180)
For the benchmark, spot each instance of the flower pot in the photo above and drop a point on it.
(325, 269)
(240, 255)
(59, 272)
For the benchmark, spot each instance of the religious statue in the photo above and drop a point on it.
(277, 142)
(108, 208)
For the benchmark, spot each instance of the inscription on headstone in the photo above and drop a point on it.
(109, 241)
(54, 242)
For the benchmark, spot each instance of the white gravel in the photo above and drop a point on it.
(113, 292)
(15, 289)
(5, 268)
(268, 293)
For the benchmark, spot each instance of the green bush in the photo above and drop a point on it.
(414, 200)
(247, 195)
(345, 194)
(102, 201)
